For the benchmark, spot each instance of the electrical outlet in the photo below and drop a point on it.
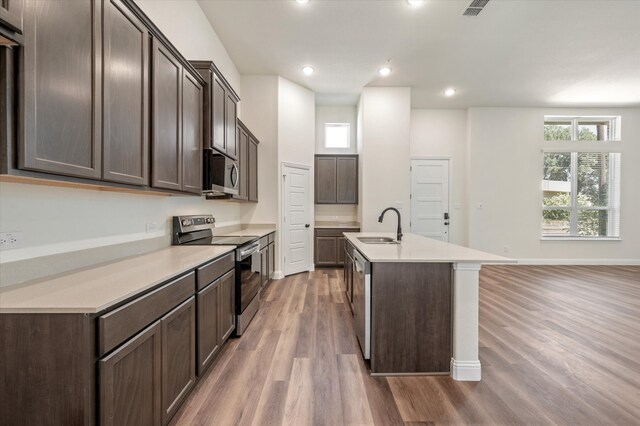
(11, 240)
(506, 249)
(152, 227)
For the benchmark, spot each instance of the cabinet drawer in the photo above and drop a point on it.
(334, 232)
(122, 323)
(264, 241)
(214, 270)
(271, 237)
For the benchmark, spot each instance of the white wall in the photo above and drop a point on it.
(296, 141)
(505, 151)
(184, 23)
(443, 132)
(384, 155)
(260, 115)
(335, 114)
(59, 220)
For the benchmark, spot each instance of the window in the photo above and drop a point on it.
(581, 195)
(336, 135)
(581, 128)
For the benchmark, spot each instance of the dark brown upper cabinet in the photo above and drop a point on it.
(248, 164)
(125, 140)
(220, 110)
(122, 106)
(60, 117)
(166, 165)
(11, 15)
(336, 179)
(192, 96)
(243, 163)
(253, 169)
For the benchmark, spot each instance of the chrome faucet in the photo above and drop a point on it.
(399, 232)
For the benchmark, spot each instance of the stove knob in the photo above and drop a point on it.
(186, 222)
(209, 220)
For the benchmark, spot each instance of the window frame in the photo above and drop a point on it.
(334, 124)
(613, 201)
(614, 126)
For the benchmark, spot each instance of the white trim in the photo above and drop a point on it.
(278, 275)
(432, 157)
(466, 371)
(550, 238)
(602, 262)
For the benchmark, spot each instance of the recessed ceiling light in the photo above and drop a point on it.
(308, 70)
(384, 71)
(449, 92)
(302, 1)
(415, 2)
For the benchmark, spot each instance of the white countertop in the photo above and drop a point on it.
(416, 248)
(97, 288)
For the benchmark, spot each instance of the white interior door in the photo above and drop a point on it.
(296, 222)
(430, 198)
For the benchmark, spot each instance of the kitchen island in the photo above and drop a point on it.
(415, 304)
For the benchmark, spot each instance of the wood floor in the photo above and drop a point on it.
(558, 345)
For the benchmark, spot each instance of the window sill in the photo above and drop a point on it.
(580, 239)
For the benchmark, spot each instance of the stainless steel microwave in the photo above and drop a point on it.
(220, 174)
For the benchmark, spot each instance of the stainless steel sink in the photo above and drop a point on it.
(378, 240)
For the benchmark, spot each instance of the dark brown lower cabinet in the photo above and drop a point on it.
(130, 381)
(216, 317)
(329, 246)
(178, 356)
(209, 337)
(227, 304)
(272, 260)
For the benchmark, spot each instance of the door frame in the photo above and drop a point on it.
(285, 236)
(449, 191)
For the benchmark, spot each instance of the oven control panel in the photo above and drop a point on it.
(193, 223)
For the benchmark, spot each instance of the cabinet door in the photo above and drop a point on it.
(347, 180)
(230, 112)
(227, 304)
(264, 266)
(125, 96)
(11, 14)
(272, 260)
(217, 115)
(253, 170)
(191, 134)
(341, 252)
(178, 356)
(243, 164)
(325, 182)
(325, 251)
(166, 167)
(130, 381)
(60, 129)
(208, 301)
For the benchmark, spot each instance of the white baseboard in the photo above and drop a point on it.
(278, 275)
(578, 261)
(466, 371)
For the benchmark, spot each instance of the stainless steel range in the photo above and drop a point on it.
(198, 230)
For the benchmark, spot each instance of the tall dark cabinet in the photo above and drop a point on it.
(248, 164)
(102, 98)
(60, 119)
(125, 124)
(220, 110)
(336, 179)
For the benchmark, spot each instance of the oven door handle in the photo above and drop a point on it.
(253, 248)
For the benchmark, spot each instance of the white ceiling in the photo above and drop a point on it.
(515, 53)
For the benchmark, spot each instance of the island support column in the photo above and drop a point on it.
(465, 365)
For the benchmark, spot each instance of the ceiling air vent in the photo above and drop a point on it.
(475, 7)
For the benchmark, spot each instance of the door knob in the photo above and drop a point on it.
(446, 223)
(306, 225)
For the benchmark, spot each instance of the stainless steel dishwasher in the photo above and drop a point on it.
(362, 302)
